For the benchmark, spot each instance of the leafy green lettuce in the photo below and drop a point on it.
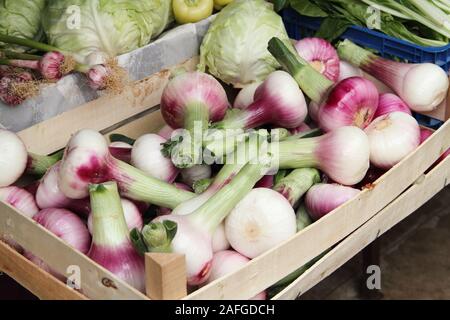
(21, 18)
(88, 28)
(235, 47)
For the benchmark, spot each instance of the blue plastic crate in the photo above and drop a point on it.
(299, 27)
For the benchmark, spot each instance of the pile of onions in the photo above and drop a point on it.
(421, 86)
(351, 102)
(87, 160)
(392, 137)
(322, 198)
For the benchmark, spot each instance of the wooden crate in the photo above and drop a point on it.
(349, 228)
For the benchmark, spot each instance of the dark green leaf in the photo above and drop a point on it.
(332, 28)
(307, 8)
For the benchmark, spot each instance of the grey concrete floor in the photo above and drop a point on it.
(415, 259)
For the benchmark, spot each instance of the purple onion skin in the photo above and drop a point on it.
(192, 87)
(50, 65)
(5, 84)
(425, 133)
(166, 132)
(123, 261)
(352, 102)
(301, 128)
(67, 226)
(321, 199)
(372, 175)
(123, 154)
(97, 77)
(265, 182)
(319, 50)
(273, 105)
(389, 102)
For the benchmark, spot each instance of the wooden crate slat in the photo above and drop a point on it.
(396, 211)
(96, 281)
(37, 281)
(53, 134)
(267, 269)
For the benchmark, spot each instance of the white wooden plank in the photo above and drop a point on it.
(418, 194)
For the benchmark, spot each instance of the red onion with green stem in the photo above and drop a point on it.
(322, 198)
(87, 160)
(246, 96)
(392, 137)
(39, 164)
(351, 102)
(111, 245)
(194, 231)
(321, 55)
(388, 103)
(191, 100)
(343, 154)
(421, 86)
(278, 101)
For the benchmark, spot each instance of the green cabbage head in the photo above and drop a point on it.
(92, 28)
(234, 48)
(21, 18)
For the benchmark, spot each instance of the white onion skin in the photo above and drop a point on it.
(323, 198)
(259, 222)
(392, 137)
(195, 244)
(318, 50)
(389, 102)
(131, 213)
(347, 70)
(146, 156)
(344, 155)
(198, 172)
(219, 239)
(13, 158)
(227, 261)
(245, 96)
